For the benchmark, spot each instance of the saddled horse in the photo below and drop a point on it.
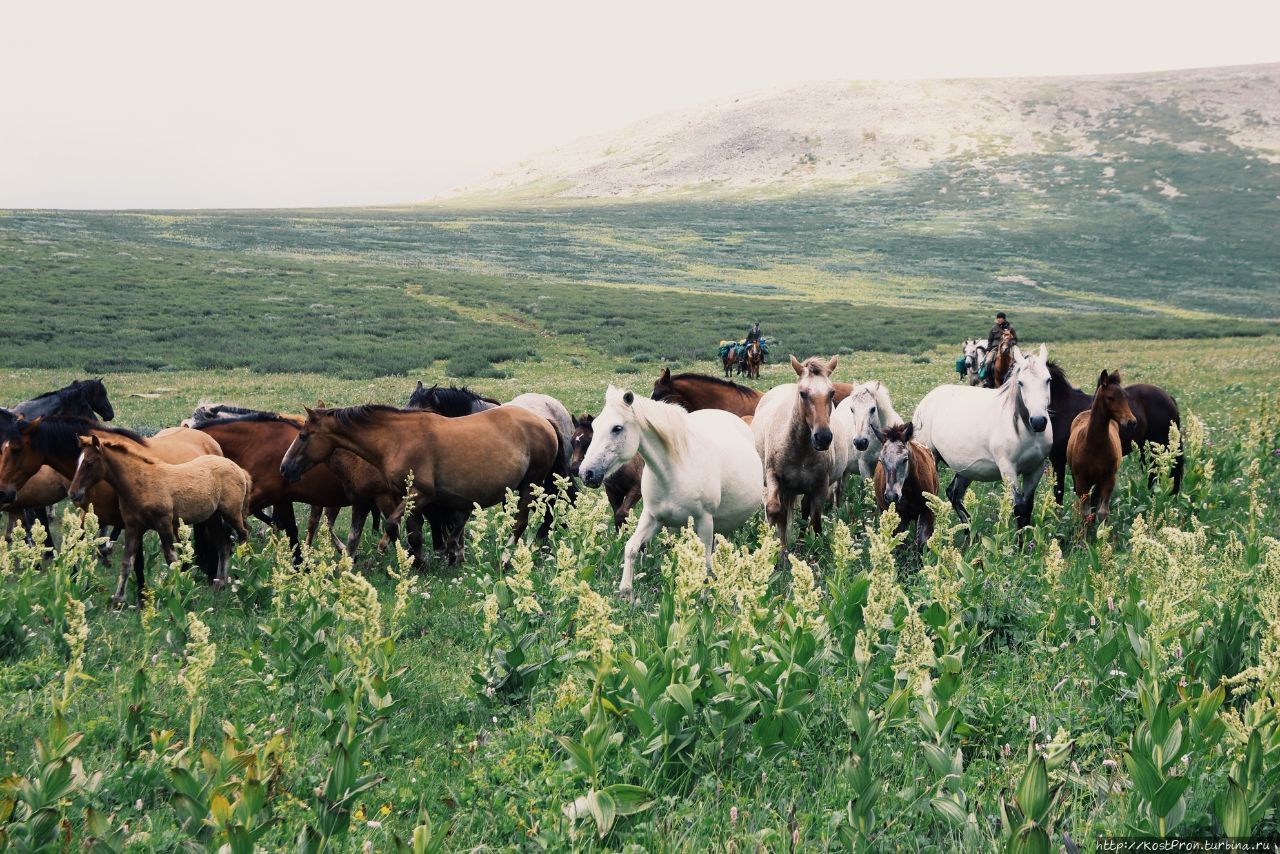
(1154, 410)
(803, 449)
(156, 496)
(257, 440)
(753, 358)
(1093, 450)
(1002, 359)
(77, 399)
(55, 442)
(456, 463)
(975, 353)
(731, 358)
(992, 434)
(623, 486)
(700, 466)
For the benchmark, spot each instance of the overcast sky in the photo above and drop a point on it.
(266, 103)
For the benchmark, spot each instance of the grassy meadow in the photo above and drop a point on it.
(992, 692)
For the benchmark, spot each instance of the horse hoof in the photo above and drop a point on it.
(219, 583)
(117, 601)
(628, 593)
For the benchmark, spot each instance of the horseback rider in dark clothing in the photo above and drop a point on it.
(997, 331)
(753, 334)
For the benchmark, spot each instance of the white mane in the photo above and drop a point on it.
(877, 391)
(667, 422)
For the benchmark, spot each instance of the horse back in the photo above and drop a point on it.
(1154, 410)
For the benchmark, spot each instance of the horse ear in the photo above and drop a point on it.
(831, 366)
(1102, 378)
(797, 366)
(85, 441)
(419, 388)
(665, 376)
(311, 413)
(876, 431)
(1044, 353)
(1115, 377)
(26, 427)
(908, 431)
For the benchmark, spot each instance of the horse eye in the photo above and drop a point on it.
(805, 395)
(617, 428)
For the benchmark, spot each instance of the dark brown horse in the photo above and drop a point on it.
(1094, 452)
(456, 463)
(732, 359)
(1154, 411)
(904, 472)
(623, 486)
(257, 442)
(753, 359)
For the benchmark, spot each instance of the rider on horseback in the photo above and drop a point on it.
(753, 334)
(998, 329)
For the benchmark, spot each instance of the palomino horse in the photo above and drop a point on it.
(975, 353)
(867, 408)
(1002, 359)
(700, 391)
(753, 358)
(992, 434)
(700, 466)
(1093, 451)
(456, 463)
(156, 496)
(55, 442)
(803, 450)
(257, 441)
(623, 486)
(905, 472)
(1154, 410)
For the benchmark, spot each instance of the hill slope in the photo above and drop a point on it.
(822, 135)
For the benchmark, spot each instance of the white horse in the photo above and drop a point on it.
(868, 404)
(975, 353)
(697, 465)
(988, 434)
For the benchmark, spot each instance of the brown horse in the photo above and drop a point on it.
(798, 442)
(1094, 450)
(753, 359)
(55, 442)
(156, 496)
(623, 486)
(1002, 359)
(701, 391)
(904, 472)
(257, 442)
(456, 463)
(732, 360)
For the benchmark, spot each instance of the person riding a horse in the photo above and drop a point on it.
(997, 332)
(753, 334)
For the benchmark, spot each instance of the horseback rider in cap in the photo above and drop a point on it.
(753, 334)
(993, 338)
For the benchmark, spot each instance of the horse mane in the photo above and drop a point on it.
(223, 413)
(880, 393)
(895, 433)
(128, 450)
(707, 379)
(60, 435)
(451, 402)
(360, 415)
(668, 422)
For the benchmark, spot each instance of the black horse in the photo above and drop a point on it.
(1154, 409)
(451, 402)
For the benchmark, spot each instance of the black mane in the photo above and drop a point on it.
(451, 402)
(224, 413)
(358, 416)
(59, 436)
(707, 378)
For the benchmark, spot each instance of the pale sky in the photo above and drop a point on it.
(259, 104)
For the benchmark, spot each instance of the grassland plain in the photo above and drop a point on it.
(855, 699)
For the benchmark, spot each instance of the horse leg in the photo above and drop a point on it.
(286, 520)
(359, 513)
(132, 550)
(817, 502)
(1059, 479)
(646, 527)
(391, 525)
(777, 509)
(314, 514)
(414, 527)
(924, 527)
(955, 493)
(455, 540)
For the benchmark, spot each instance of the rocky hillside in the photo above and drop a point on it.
(830, 135)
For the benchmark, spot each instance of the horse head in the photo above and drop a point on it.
(582, 435)
(615, 437)
(1031, 384)
(895, 457)
(313, 444)
(94, 392)
(866, 415)
(817, 397)
(1111, 397)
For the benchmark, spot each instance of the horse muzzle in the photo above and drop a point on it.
(893, 496)
(821, 438)
(1130, 426)
(860, 443)
(75, 497)
(593, 477)
(1038, 423)
(291, 471)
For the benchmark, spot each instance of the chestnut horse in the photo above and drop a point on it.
(623, 486)
(702, 391)
(55, 442)
(257, 442)
(1002, 359)
(1154, 410)
(905, 471)
(1094, 451)
(803, 449)
(156, 496)
(456, 463)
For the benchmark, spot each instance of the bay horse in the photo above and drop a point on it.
(732, 360)
(456, 463)
(1093, 450)
(753, 358)
(1002, 359)
(992, 434)
(905, 472)
(622, 486)
(700, 466)
(55, 442)
(156, 496)
(701, 391)
(257, 441)
(804, 450)
(1154, 410)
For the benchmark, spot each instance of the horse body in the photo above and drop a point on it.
(700, 466)
(623, 486)
(992, 434)
(905, 472)
(804, 450)
(154, 496)
(78, 399)
(1094, 450)
(700, 391)
(456, 463)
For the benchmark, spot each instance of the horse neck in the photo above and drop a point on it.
(1100, 419)
(120, 471)
(662, 457)
(361, 441)
(797, 426)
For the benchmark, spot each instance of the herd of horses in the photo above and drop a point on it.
(699, 450)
